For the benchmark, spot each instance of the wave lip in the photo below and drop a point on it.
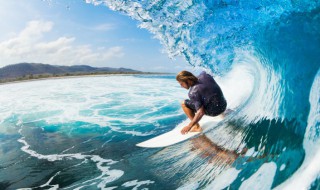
(206, 33)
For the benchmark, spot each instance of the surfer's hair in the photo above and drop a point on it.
(184, 76)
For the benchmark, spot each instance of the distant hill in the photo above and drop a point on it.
(36, 69)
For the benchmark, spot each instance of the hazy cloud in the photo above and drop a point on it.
(105, 27)
(30, 45)
(131, 40)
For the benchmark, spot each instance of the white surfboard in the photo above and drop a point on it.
(175, 136)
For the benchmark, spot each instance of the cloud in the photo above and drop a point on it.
(131, 40)
(105, 27)
(30, 46)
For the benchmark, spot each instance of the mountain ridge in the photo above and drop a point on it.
(30, 69)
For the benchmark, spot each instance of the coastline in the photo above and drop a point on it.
(37, 78)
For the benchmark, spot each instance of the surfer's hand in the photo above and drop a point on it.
(185, 130)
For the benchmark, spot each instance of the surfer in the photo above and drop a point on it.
(206, 98)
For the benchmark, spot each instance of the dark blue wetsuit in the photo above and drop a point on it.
(206, 92)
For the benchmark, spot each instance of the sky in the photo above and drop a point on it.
(73, 32)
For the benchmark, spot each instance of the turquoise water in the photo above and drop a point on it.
(278, 45)
(81, 132)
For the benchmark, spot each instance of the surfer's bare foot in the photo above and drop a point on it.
(196, 128)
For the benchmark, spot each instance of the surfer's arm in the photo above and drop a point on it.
(199, 114)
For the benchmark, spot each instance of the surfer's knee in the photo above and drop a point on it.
(183, 104)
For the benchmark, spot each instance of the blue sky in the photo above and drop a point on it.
(73, 32)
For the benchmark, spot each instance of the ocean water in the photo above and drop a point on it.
(80, 133)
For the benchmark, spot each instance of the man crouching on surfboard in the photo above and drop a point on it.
(206, 98)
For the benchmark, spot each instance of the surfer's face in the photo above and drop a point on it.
(184, 84)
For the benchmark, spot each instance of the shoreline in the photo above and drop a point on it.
(13, 81)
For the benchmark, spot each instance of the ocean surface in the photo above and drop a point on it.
(80, 133)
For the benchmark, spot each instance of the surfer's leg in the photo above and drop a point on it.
(190, 113)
